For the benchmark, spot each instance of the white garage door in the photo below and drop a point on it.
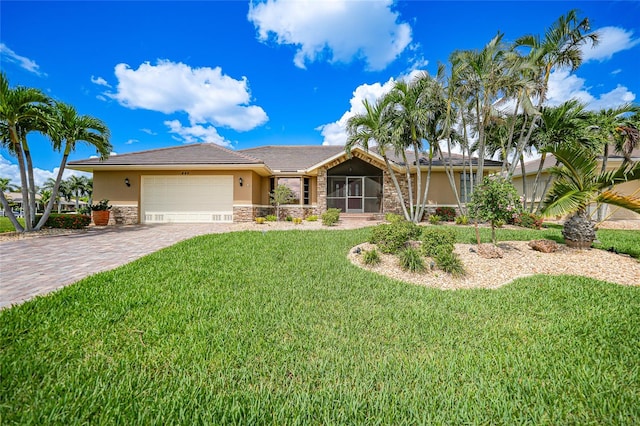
(187, 199)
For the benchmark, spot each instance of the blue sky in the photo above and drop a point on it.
(243, 74)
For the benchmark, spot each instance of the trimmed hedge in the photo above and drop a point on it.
(66, 221)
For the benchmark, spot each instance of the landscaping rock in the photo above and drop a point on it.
(544, 246)
(489, 251)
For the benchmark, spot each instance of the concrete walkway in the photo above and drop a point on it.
(39, 265)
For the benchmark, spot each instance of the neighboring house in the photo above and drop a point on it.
(209, 183)
(613, 162)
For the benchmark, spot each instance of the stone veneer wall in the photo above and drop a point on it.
(248, 214)
(123, 215)
(390, 201)
(322, 191)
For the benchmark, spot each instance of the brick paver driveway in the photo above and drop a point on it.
(33, 266)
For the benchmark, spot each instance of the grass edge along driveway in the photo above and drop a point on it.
(279, 328)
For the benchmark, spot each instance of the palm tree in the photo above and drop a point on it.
(564, 123)
(67, 130)
(370, 128)
(560, 47)
(577, 184)
(21, 111)
(78, 186)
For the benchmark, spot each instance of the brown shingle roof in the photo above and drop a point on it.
(204, 153)
(288, 158)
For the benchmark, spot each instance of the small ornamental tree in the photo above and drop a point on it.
(282, 194)
(495, 200)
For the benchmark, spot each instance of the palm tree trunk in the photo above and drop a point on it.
(28, 226)
(12, 217)
(54, 193)
(524, 182)
(419, 202)
(605, 158)
(410, 186)
(32, 184)
(534, 193)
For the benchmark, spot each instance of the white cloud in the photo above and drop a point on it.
(564, 86)
(100, 81)
(26, 63)
(11, 171)
(196, 133)
(338, 30)
(336, 133)
(205, 94)
(611, 41)
(131, 141)
(149, 132)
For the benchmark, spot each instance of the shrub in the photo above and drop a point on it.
(312, 218)
(448, 214)
(391, 237)
(495, 200)
(66, 221)
(499, 223)
(331, 217)
(260, 220)
(102, 205)
(297, 220)
(271, 218)
(436, 240)
(528, 220)
(434, 219)
(288, 218)
(410, 260)
(462, 220)
(450, 262)
(392, 217)
(371, 257)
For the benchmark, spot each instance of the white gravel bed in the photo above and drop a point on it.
(519, 261)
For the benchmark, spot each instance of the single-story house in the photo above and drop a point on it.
(613, 162)
(208, 183)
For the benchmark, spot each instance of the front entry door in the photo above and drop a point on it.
(354, 195)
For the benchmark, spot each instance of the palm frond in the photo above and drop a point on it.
(616, 199)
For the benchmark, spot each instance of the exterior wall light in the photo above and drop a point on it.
(126, 182)
(240, 181)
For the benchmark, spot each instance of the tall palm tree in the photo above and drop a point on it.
(560, 47)
(67, 130)
(21, 110)
(627, 137)
(577, 184)
(562, 124)
(78, 186)
(369, 128)
(604, 133)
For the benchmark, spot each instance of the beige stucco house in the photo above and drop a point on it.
(209, 183)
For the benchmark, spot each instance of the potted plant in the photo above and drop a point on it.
(101, 212)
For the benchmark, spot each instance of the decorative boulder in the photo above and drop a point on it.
(489, 251)
(544, 246)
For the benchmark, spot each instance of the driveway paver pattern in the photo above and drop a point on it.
(35, 266)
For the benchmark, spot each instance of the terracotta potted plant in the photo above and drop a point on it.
(100, 212)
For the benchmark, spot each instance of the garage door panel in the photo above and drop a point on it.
(187, 199)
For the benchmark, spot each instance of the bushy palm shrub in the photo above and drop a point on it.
(392, 237)
(330, 217)
(435, 240)
(449, 262)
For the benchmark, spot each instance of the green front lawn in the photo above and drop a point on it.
(279, 328)
(7, 226)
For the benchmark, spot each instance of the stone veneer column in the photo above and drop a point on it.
(390, 201)
(322, 190)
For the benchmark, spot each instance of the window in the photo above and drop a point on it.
(465, 186)
(293, 183)
(306, 194)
